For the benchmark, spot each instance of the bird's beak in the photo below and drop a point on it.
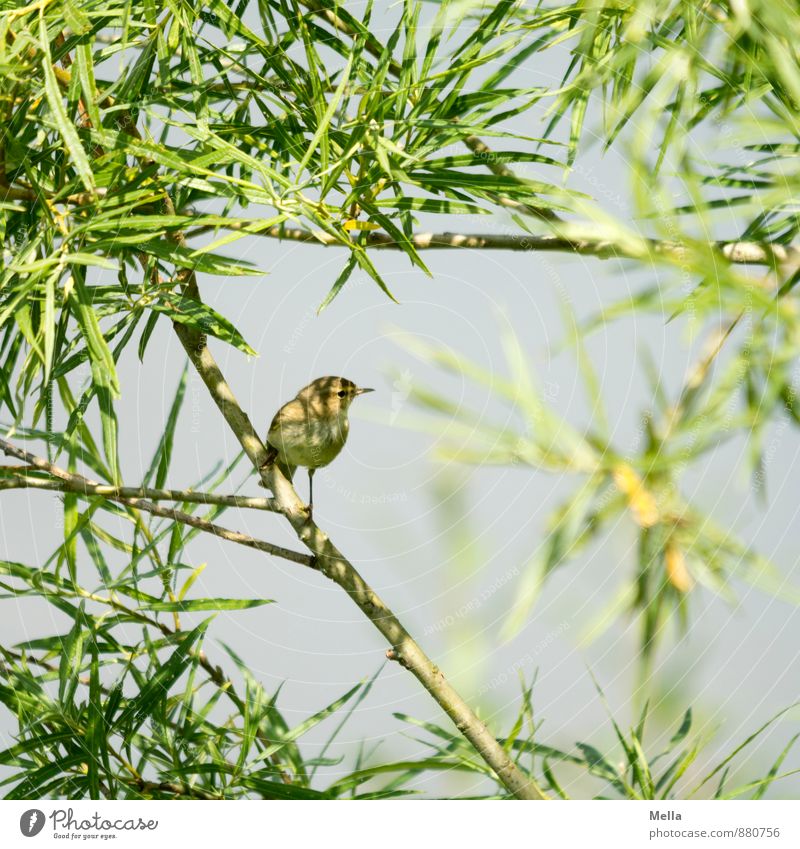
(361, 391)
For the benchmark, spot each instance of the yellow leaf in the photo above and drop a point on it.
(626, 479)
(190, 580)
(640, 500)
(675, 565)
(352, 224)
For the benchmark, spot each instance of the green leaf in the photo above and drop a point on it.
(147, 332)
(432, 205)
(104, 371)
(156, 689)
(680, 735)
(339, 283)
(764, 784)
(748, 740)
(551, 779)
(275, 790)
(49, 325)
(84, 67)
(598, 765)
(96, 739)
(71, 659)
(159, 465)
(207, 604)
(65, 126)
(69, 548)
(201, 316)
(183, 257)
(304, 727)
(322, 128)
(108, 420)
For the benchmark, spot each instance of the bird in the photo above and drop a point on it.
(311, 429)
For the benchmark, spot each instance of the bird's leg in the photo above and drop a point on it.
(311, 491)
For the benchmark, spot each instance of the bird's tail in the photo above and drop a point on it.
(286, 471)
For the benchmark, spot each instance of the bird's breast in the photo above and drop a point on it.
(312, 443)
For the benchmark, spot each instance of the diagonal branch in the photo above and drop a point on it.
(333, 564)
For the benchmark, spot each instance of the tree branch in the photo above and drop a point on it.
(70, 482)
(738, 253)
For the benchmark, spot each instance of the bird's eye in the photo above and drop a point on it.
(341, 393)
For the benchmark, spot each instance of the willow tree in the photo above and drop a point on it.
(142, 139)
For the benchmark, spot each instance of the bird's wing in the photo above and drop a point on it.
(274, 429)
(273, 441)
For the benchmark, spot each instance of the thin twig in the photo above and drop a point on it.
(126, 493)
(500, 169)
(71, 482)
(736, 252)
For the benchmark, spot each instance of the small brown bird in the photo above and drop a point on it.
(312, 428)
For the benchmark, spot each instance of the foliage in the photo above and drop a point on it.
(701, 99)
(630, 772)
(143, 138)
(679, 544)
